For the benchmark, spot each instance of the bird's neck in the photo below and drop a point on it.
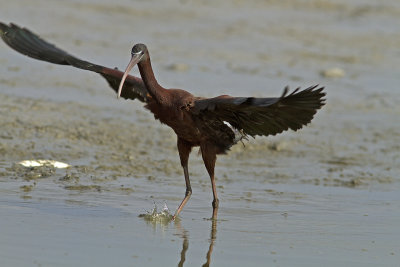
(159, 93)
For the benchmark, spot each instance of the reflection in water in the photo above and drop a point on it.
(213, 236)
(185, 244)
(163, 219)
(185, 247)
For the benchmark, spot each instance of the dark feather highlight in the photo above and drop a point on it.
(263, 116)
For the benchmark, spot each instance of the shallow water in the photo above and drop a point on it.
(326, 195)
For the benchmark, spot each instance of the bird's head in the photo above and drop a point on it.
(139, 53)
(138, 50)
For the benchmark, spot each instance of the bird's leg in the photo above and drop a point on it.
(188, 192)
(209, 157)
(184, 149)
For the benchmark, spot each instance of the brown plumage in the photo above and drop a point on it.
(213, 124)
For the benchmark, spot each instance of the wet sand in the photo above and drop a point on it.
(326, 195)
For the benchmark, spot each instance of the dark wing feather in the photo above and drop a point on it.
(30, 44)
(263, 116)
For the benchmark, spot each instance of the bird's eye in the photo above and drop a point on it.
(136, 52)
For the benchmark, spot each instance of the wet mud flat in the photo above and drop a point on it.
(102, 148)
(327, 195)
(274, 192)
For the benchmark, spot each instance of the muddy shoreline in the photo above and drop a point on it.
(325, 195)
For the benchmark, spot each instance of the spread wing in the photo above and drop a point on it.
(262, 116)
(31, 45)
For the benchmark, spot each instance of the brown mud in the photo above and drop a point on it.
(325, 195)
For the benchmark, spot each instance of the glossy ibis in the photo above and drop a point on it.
(213, 124)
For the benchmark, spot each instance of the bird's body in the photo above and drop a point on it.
(213, 124)
(175, 111)
(168, 114)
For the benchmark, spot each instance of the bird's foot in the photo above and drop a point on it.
(215, 205)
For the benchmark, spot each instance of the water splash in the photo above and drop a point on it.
(164, 216)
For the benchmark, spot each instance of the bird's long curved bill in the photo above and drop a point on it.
(134, 60)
